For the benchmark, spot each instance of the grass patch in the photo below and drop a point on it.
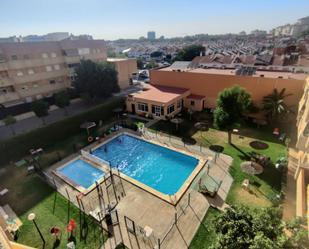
(46, 219)
(206, 235)
(264, 187)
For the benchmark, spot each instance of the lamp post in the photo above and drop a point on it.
(31, 217)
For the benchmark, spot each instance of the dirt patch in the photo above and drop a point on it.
(251, 197)
(259, 145)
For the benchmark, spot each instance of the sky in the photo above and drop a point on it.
(113, 19)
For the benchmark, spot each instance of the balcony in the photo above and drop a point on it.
(6, 82)
(43, 89)
(19, 64)
(8, 97)
(3, 66)
(302, 142)
(40, 76)
(77, 59)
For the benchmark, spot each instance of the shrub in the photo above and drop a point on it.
(18, 146)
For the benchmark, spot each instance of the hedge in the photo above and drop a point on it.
(16, 147)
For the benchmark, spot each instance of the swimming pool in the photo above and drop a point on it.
(81, 173)
(160, 168)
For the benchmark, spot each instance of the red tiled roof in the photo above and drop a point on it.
(163, 94)
(195, 96)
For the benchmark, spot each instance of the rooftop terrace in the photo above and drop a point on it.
(265, 74)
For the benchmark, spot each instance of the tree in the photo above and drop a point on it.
(151, 64)
(98, 80)
(189, 52)
(243, 228)
(9, 121)
(139, 63)
(156, 54)
(275, 106)
(62, 100)
(40, 108)
(232, 103)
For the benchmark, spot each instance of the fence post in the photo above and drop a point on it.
(159, 243)
(176, 218)
(189, 199)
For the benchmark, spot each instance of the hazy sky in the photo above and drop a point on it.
(112, 19)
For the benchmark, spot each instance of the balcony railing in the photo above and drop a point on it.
(19, 64)
(40, 76)
(11, 96)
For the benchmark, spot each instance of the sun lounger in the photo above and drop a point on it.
(209, 185)
(3, 191)
(30, 169)
(21, 163)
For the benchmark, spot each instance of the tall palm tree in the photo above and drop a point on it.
(274, 104)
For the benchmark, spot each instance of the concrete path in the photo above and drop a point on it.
(33, 122)
(28, 121)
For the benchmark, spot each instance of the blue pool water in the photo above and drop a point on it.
(81, 172)
(158, 167)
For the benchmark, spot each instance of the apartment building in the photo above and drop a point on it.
(30, 71)
(125, 67)
(200, 89)
(302, 156)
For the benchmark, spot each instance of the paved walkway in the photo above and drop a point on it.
(33, 122)
(148, 210)
(289, 203)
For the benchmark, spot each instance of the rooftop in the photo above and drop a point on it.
(163, 94)
(266, 74)
(118, 59)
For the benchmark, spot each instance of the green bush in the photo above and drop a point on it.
(14, 148)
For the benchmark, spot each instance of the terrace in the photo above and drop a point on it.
(131, 214)
(136, 207)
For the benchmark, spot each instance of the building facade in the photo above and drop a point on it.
(33, 70)
(125, 68)
(151, 35)
(202, 86)
(302, 157)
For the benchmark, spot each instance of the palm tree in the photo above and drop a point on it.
(274, 104)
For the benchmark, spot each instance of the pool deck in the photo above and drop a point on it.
(147, 209)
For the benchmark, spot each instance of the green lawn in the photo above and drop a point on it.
(55, 211)
(206, 235)
(263, 187)
(29, 193)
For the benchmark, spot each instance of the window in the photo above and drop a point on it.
(34, 85)
(83, 51)
(20, 73)
(157, 110)
(306, 130)
(179, 103)
(14, 57)
(48, 68)
(26, 57)
(53, 55)
(44, 55)
(24, 87)
(57, 67)
(3, 91)
(52, 82)
(192, 102)
(142, 107)
(170, 109)
(30, 71)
